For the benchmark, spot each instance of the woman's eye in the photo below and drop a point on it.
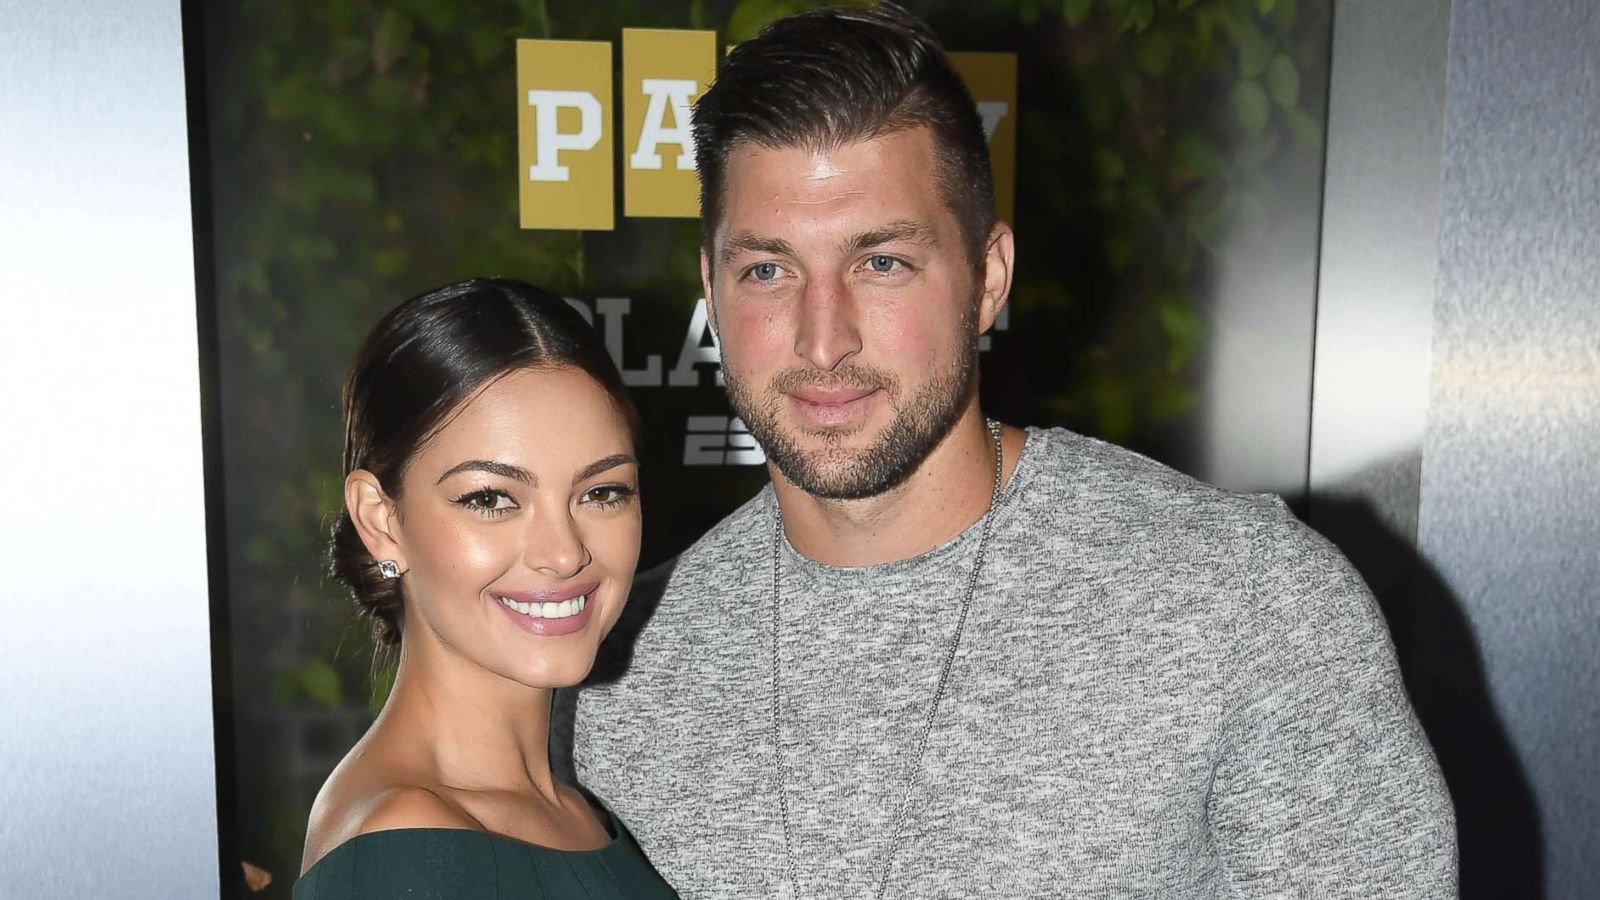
(882, 265)
(487, 500)
(608, 495)
(764, 271)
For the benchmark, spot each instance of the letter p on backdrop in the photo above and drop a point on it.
(564, 125)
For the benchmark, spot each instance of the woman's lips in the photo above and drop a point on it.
(831, 407)
(550, 613)
(554, 595)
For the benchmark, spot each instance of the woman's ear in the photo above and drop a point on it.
(374, 515)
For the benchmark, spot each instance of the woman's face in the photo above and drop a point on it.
(518, 527)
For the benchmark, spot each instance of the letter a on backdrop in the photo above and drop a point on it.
(663, 74)
(564, 134)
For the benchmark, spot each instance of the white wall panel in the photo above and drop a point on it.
(1510, 512)
(1379, 257)
(107, 784)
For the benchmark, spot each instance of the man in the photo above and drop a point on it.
(939, 660)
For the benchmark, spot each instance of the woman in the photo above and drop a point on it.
(491, 528)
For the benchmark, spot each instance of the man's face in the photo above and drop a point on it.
(846, 309)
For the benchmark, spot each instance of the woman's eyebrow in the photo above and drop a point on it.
(602, 464)
(504, 470)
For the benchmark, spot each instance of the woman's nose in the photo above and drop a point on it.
(556, 546)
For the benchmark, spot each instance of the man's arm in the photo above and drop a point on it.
(1325, 785)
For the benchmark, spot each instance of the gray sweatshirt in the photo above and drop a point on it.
(1164, 690)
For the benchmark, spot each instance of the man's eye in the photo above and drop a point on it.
(882, 265)
(764, 271)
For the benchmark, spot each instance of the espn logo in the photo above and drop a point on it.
(720, 441)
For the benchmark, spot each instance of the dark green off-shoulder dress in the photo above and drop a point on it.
(462, 864)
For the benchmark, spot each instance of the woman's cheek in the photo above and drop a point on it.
(478, 549)
(615, 545)
(459, 555)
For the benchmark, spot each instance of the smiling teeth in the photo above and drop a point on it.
(563, 610)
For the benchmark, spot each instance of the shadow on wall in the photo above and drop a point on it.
(1497, 821)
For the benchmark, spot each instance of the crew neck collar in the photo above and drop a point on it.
(795, 561)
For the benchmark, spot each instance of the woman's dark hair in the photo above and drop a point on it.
(825, 78)
(421, 361)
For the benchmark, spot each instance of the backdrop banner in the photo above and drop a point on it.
(361, 153)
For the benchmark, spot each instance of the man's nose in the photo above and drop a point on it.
(827, 332)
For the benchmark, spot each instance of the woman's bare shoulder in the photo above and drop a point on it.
(373, 791)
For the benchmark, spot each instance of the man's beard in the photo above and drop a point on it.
(835, 472)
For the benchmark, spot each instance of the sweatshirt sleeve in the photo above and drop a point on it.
(1325, 785)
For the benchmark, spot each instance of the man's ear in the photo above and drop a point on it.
(376, 519)
(998, 258)
(705, 286)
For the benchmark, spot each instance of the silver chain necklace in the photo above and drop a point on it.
(913, 777)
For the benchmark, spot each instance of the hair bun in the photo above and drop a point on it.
(376, 596)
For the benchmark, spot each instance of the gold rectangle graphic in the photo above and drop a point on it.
(663, 73)
(564, 135)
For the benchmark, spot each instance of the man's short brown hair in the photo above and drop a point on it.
(826, 78)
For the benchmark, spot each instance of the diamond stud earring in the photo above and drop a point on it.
(388, 568)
